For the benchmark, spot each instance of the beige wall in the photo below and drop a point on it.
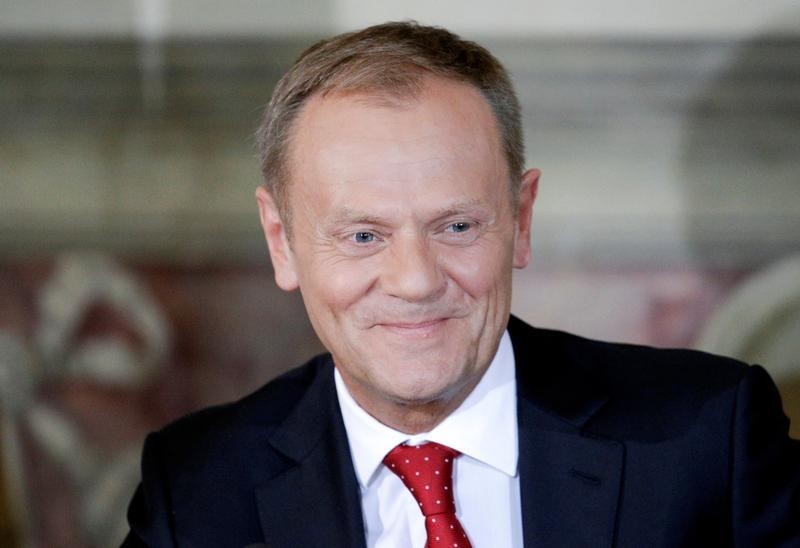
(530, 18)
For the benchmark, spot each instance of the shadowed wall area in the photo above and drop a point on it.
(135, 285)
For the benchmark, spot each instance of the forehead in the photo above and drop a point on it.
(446, 126)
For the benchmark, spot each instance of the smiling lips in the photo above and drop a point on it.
(414, 329)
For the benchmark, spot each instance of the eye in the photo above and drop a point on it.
(363, 237)
(460, 226)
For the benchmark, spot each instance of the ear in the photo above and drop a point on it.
(527, 196)
(280, 252)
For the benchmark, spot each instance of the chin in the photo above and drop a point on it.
(419, 399)
(425, 389)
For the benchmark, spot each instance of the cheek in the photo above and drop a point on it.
(334, 285)
(478, 270)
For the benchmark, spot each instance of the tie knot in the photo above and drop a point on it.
(427, 472)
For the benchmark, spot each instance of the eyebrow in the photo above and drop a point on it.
(350, 215)
(457, 208)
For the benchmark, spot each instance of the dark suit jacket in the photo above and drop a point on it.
(620, 445)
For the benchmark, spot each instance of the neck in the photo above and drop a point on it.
(409, 417)
(412, 419)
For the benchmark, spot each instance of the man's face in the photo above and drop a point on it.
(403, 239)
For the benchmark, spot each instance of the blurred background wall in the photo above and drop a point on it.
(134, 282)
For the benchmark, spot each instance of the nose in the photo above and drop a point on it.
(411, 270)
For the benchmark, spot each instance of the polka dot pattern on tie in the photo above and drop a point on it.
(427, 471)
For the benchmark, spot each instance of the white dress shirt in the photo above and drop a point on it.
(485, 476)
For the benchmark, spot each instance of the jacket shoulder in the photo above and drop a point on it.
(622, 364)
(232, 431)
(646, 391)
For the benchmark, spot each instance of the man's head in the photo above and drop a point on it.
(407, 217)
(388, 61)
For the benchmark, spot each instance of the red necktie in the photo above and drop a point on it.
(427, 471)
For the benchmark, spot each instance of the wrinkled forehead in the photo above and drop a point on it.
(417, 153)
(432, 105)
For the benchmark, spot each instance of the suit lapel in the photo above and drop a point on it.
(569, 484)
(314, 501)
(569, 480)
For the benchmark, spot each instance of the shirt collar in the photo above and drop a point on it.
(484, 427)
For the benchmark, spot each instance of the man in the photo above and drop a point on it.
(396, 201)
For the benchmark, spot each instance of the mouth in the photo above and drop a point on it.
(422, 329)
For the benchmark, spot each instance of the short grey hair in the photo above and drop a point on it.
(390, 59)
